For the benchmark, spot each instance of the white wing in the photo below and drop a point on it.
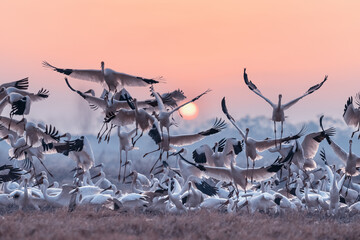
(351, 114)
(16, 126)
(130, 80)
(309, 91)
(124, 117)
(86, 74)
(192, 100)
(19, 84)
(220, 173)
(253, 88)
(339, 151)
(183, 140)
(159, 100)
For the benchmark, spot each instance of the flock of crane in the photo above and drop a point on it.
(211, 180)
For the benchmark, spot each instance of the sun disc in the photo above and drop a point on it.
(189, 111)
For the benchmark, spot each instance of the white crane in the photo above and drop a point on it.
(218, 156)
(19, 85)
(20, 100)
(334, 190)
(169, 99)
(305, 152)
(180, 140)
(164, 116)
(351, 161)
(125, 145)
(24, 199)
(239, 175)
(278, 109)
(103, 182)
(186, 170)
(193, 197)
(107, 77)
(352, 114)
(104, 103)
(61, 199)
(252, 146)
(142, 119)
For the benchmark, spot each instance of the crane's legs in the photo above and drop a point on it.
(275, 133)
(352, 135)
(100, 136)
(107, 136)
(346, 193)
(120, 167)
(159, 159)
(252, 172)
(168, 132)
(281, 133)
(42, 163)
(126, 160)
(151, 152)
(247, 170)
(142, 132)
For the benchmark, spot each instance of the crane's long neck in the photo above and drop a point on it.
(26, 193)
(103, 68)
(44, 187)
(136, 107)
(11, 139)
(133, 183)
(307, 192)
(334, 183)
(350, 146)
(297, 190)
(279, 103)
(216, 148)
(102, 177)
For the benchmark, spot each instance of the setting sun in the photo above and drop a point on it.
(189, 111)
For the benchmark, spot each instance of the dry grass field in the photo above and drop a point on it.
(106, 224)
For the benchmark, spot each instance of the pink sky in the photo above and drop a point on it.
(286, 46)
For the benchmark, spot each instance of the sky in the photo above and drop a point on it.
(286, 46)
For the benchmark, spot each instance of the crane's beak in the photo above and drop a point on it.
(74, 191)
(162, 170)
(108, 188)
(132, 173)
(75, 169)
(6, 137)
(64, 135)
(79, 174)
(98, 175)
(126, 163)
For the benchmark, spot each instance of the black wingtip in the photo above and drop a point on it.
(225, 110)
(206, 188)
(323, 156)
(22, 84)
(327, 136)
(217, 127)
(154, 134)
(44, 93)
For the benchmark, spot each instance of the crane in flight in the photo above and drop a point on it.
(352, 114)
(105, 76)
(278, 109)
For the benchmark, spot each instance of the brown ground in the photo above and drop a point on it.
(107, 224)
